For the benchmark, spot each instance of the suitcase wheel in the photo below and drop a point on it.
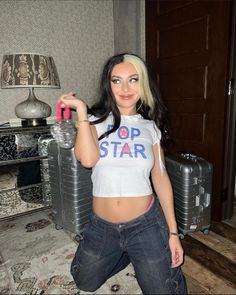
(58, 227)
(78, 238)
(206, 231)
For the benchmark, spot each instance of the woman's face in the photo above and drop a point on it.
(125, 87)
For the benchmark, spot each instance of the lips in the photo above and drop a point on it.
(126, 97)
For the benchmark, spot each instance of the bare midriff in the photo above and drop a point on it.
(121, 209)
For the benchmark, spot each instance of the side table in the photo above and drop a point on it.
(24, 185)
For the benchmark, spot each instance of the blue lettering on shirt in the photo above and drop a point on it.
(126, 151)
(135, 132)
(103, 149)
(115, 147)
(123, 132)
(139, 149)
(109, 127)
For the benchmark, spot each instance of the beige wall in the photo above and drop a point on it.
(129, 26)
(78, 34)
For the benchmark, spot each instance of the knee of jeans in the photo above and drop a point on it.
(84, 282)
(86, 286)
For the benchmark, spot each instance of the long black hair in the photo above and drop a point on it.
(151, 108)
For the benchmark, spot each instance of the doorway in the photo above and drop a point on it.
(183, 49)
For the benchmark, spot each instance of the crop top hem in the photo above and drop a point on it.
(125, 196)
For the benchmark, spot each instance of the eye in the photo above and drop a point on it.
(134, 79)
(115, 81)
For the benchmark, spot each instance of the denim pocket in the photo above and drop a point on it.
(94, 239)
(161, 220)
(163, 227)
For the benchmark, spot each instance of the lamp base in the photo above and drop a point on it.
(33, 122)
(32, 108)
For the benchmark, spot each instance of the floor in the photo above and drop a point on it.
(210, 260)
(35, 259)
(232, 220)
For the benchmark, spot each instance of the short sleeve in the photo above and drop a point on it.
(99, 127)
(156, 136)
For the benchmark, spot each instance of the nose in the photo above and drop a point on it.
(125, 86)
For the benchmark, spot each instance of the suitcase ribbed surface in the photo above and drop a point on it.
(71, 189)
(191, 179)
(43, 142)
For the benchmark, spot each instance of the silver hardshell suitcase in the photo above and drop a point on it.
(43, 142)
(71, 189)
(191, 179)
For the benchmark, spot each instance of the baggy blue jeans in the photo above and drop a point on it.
(107, 248)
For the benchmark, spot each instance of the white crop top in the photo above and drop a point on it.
(126, 157)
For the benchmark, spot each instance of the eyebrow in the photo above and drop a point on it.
(116, 76)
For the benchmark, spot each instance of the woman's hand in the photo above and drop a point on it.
(177, 253)
(70, 100)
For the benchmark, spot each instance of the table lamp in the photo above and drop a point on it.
(30, 70)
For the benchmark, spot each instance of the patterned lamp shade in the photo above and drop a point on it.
(30, 70)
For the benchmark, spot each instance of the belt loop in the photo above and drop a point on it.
(93, 218)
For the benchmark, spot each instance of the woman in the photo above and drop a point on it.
(121, 138)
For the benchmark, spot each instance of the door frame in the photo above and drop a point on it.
(230, 146)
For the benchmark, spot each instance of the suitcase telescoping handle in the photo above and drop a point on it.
(189, 156)
(59, 112)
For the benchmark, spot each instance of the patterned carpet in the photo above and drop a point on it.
(35, 259)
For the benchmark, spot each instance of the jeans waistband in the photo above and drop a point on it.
(142, 218)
